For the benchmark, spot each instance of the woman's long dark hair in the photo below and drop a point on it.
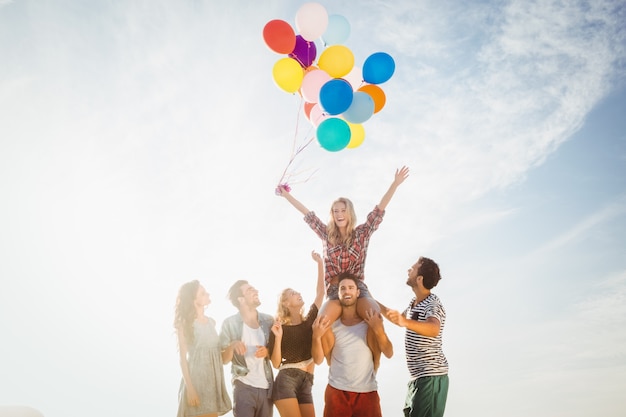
(185, 310)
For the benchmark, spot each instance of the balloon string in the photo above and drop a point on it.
(295, 151)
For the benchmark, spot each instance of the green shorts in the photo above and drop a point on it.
(426, 397)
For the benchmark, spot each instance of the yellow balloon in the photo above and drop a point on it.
(288, 74)
(357, 135)
(336, 60)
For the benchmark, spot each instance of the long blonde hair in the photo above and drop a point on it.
(334, 234)
(282, 313)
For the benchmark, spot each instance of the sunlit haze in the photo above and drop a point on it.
(141, 143)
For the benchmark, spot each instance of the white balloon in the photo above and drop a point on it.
(311, 21)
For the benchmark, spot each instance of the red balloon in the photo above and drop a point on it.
(279, 36)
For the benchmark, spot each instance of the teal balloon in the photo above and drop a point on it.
(333, 134)
(336, 96)
(337, 31)
(361, 109)
(378, 68)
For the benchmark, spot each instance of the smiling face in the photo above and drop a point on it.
(293, 299)
(250, 296)
(348, 292)
(203, 298)
(341, 215)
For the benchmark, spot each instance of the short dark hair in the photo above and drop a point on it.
(347, 275)
(429, 270)
(235, 292)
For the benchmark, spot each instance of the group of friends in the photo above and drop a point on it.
(346, 330)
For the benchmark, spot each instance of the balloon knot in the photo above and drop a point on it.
(281, 187)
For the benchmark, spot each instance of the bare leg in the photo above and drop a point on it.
(366, 303)
(288, 407)
(331, 309)
(307, 410)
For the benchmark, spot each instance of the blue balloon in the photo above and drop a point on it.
(333, 134)
(361, 109)
(337, 31)
(336, 96)
(378, 68)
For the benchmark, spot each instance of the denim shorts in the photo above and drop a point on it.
(293, 383)
(332, 291)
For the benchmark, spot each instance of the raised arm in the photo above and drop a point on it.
(319, 289)
(277, 354)
(401, 175)
(429, 327)
(282, 191)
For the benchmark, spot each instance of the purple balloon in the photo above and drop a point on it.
(304, 52)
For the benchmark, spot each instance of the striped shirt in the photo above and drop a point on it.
(340, 258)
(424, 355)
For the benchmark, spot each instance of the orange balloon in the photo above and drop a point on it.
(377, 94)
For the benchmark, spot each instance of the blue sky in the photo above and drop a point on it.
(140, 144)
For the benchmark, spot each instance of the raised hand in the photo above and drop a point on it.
(277, 329)
(401, 175)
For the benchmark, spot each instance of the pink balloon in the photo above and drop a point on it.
(311, 21)
(312, 83)
(355, 78)
(317, 115)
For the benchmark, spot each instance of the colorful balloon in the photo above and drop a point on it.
(377, 94)
(333, 134)
(378, 68)
(307, 109)
(304, 52)
(311, 20)
(318, 115)
(354, 77)
(288, 74)
(312, 83)
(336, 96)
(336, 60)
(357, 135)
(338, 30)
(361, 108)
(279, 36)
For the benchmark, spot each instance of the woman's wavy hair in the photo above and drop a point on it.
(185, 309)
(282, 313)
(334, 235)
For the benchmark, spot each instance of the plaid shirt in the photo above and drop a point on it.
(341, 258)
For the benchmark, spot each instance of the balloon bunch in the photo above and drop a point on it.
(338, 97)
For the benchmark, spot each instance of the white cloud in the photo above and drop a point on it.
(586, 226)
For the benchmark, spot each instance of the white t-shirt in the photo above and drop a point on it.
(253, 338)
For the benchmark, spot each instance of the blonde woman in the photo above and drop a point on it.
(290, 349)
(202, 389)
(345, 244)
